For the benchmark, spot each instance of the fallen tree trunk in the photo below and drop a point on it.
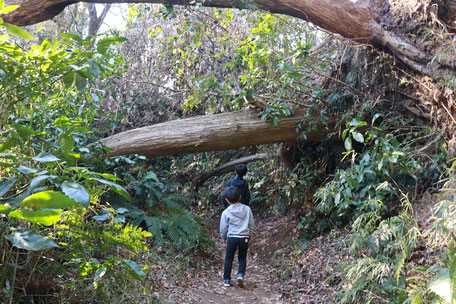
(213, 133)
(338, 16)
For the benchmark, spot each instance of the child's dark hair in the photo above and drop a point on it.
(241, 170)
(233, 194)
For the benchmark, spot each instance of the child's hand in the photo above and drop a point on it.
(250, 239)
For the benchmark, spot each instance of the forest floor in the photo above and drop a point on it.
(280, 269)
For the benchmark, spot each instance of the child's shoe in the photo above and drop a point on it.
(240, 280)
(226, 283)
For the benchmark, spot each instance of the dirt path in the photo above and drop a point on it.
(206, 286)
(277, 270)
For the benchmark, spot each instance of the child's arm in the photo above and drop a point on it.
(224, 221)
(251, 224)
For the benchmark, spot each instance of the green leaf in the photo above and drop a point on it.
(66, 143)
(28, 241)
(377, 115)
(8, 143)
(358, 137)
(37, 180)
(348, 144)
(93, 68)
(15, 30)
(104, 44)
(6, 184)
(115, 187)
(102, 217)
(152, 175)
(45, 157)
(99, 275)
(75, 37)
(26, 170)
(81, 82)
(44, 217)
(48, 199)
(8, 9)
(5, 209)
(110, 176)
(135, 270)
(68, 79)
(77, 192)
(8, 155)
(63, 121)
(23, 131)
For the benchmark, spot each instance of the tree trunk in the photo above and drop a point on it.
(96, 21)
(338, 16)
(212, 133)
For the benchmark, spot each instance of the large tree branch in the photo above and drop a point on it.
(213, 133)
(198, 179)
(338, 16)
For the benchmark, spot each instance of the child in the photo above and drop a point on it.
(238, 181)
(236, 228)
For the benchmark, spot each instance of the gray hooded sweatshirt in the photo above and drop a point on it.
(237, 221)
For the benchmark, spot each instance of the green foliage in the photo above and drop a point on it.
(159, 211)
(366, 189)
(49, 181)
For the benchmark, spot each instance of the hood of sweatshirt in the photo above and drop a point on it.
(238, 182)
(238, 211)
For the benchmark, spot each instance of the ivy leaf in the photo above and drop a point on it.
(15, 30)
(44, 217)
(48, 199)
(104, 44)
(6, 184)
(45, 157)
(135, 270)
(77, 192)
(28, 241)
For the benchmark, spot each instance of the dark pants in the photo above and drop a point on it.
(232, 244)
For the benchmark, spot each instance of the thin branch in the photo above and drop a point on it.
(339, 82)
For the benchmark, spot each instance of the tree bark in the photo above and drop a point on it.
(339, 16)
(213, 133)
